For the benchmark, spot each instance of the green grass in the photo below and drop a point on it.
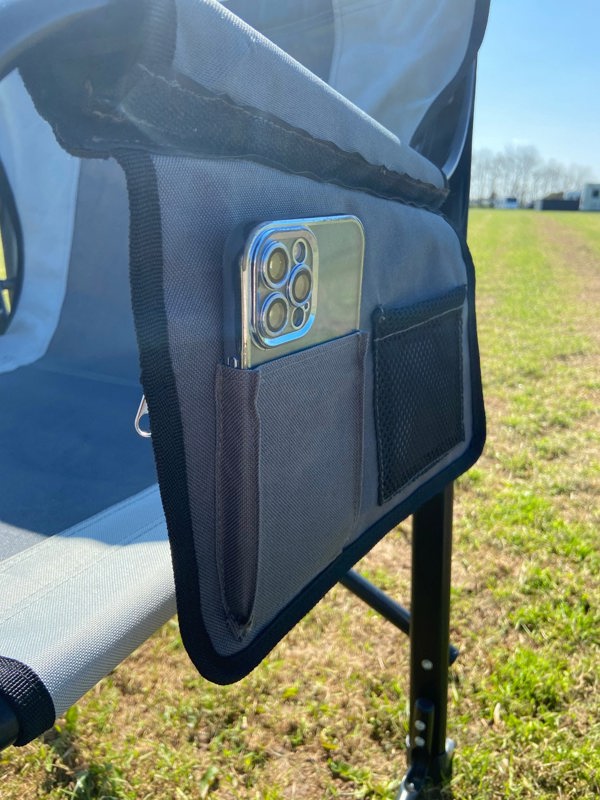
(530, 514)
(325, 715)
(4, 294)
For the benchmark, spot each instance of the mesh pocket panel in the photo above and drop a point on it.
(418, 387)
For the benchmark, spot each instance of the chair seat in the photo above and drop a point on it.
(75, 604)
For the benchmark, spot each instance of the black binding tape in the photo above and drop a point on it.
(29, 700)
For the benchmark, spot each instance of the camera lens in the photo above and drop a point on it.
(277, 266)
(300, 285)
(299, 251)
(298, 318)
(274, 314)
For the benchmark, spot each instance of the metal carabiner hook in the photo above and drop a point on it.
(142, 412)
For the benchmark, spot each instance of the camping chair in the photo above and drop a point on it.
(86, 571)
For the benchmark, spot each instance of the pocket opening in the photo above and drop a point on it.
(289, 473)
(419, 407)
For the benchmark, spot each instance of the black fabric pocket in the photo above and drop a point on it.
(289, 472)
(237, 492)
(419, 409)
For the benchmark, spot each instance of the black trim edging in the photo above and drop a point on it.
(26, 696)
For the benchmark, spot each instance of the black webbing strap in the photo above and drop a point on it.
(27, 697)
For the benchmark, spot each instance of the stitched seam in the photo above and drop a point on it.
(33, 598)
(76, 532)
(297, 133)
(419, 324)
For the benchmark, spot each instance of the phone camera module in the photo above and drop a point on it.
(276, 266)
(274, 315)
(281, 286)
(300, 286)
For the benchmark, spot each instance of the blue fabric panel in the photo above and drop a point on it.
(69, 448)
(77, 603)
(95, 334)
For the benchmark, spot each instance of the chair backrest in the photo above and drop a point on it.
(69, 369)
(76, 309)
(95, 334)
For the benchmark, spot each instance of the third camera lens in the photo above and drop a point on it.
(300, 285)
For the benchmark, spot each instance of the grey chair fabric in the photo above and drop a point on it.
(192, 178)
(391, 59)
(229, 57)
(69, 449)
(85, 568)
(74, 605)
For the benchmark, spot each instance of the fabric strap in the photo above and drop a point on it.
(27, 696)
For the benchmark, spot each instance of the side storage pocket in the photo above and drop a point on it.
(419, 409)
(289, 467)
(237, 494)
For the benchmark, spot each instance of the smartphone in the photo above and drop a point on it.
(291, 284)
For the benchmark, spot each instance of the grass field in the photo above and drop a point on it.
(4, 295)
(325, 715)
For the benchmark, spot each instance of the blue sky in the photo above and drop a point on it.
(539, 80)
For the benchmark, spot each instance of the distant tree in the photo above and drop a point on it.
(577, 176)
(481, 171)
(519, 171)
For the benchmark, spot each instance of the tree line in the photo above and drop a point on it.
(520, 171)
